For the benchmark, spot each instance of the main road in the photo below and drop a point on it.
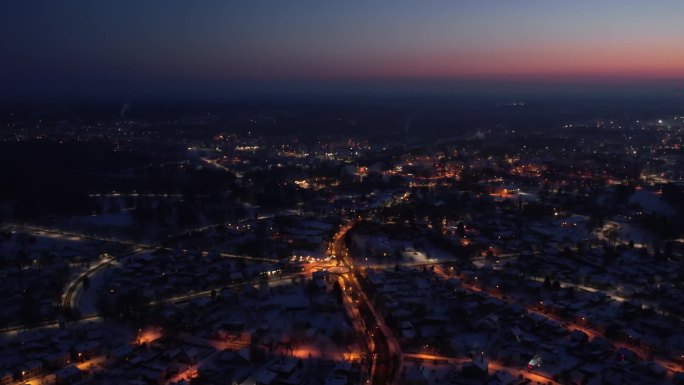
(385, 354)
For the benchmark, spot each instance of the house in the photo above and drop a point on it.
(286, 367)
(679, 378)
(652, 369)
(152, 375)
(549, 354)
(265, 377)
(32, 369)
(489, 322)
(343, 368)
(296, 378)
(633, 336)
(58, 359)
(122, 353)
(68, 375)
(6, 378)
(624, 354)
(579, 337)
(416, 376)
(188, 356)
(87, 349)
(477, 368)
(613, 377)
(94, 335)
(337, 380)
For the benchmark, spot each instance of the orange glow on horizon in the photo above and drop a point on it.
(540, 63)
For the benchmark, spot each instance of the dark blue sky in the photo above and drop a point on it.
(136, 48)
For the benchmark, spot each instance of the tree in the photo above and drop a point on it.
(567, 253)
(571, 292)
(337, 291)
(460, 229)
(29, 313)
(668, 249)
(310, 289)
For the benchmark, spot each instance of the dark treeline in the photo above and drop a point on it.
(43, 178)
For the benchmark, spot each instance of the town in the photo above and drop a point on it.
(500, 256)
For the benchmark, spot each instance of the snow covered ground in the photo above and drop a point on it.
(86, 300)
(122, 219)
(651, 202)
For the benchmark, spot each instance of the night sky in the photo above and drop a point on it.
(134, 48)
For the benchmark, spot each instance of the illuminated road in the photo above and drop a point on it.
(492, 366)
(386, 348)
(177, 299)
(671, 366)
(73, 287)
(77, 282)
(207, 293)
(585, 288)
